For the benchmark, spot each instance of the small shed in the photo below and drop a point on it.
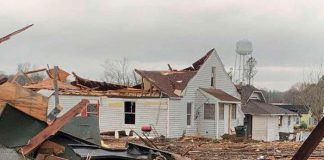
(264, 121)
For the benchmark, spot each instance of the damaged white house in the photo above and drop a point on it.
(198, 100)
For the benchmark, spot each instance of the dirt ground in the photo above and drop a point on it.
(202, 148)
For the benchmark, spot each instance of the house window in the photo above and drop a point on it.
(92, 109)
(280, 121)
(209, 111)
(221, 111)
(189, 108)
(129, 110)
(289, 120)
(297, 120)
(213, 76)
(233, 111)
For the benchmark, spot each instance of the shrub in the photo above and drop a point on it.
(303, 125)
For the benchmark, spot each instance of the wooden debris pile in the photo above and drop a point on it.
(26, 132)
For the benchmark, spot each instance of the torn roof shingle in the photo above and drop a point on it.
(196, 65)
(168, 81)
(256, 107)
(220, 94)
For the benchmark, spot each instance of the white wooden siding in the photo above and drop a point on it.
(285, 127)
(151, 111)
(69, 101)
(266, 127)
(177, 112)
(177, 117)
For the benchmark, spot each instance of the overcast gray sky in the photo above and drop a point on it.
(79, 35)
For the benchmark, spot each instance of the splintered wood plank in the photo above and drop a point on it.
(56, 148)
(53, 128)
(25, 100)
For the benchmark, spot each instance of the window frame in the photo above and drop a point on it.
(289, 120)
(213, 77)
(280, 120)
(297, 120)
(221, 115)
(211, 105)
(189, 115)
(234, 111)
(132, 112)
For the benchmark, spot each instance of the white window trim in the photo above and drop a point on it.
(124, 114)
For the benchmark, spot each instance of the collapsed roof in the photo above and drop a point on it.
(173, 82)
(196, 65)
(169, 82)
(49, 84)
(95, 85)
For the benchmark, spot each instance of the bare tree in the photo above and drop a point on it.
(272, 96)
(251, 69)
(291, 96)
(35, 77)
(312, 93)
(118, 71)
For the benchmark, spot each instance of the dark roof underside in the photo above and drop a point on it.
(256, 107)
(220, 94)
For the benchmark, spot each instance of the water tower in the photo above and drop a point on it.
(243, 49)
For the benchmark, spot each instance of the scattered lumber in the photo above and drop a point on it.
(51, 148)
(23, 99)
(7, 37)
(53, 128)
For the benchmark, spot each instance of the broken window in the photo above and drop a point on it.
(92, 109)
(209, 111)
(189, 108)
(213, 76)
(233, 111)
(129, 110)
(221, 111)
(280, 121)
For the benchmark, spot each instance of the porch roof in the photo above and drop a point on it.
(220, 94)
